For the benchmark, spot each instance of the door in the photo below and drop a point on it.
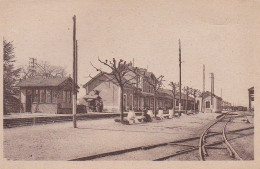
(197, 105)
(124, 102)
(141, 103)
(28, 103)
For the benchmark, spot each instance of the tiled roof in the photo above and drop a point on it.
(110, 78)
(207, 93)
(142, 71)
(169, 92)
(40, 81)
(251, 88)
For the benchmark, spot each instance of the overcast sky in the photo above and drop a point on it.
(219, 34)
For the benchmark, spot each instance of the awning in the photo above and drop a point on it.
(89, 98)
(144, 94)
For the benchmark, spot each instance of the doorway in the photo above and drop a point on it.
(28, 103)
(124, 102)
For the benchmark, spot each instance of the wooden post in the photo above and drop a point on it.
(76, 68)
(74, 86)
(173, 106)
(180, 74)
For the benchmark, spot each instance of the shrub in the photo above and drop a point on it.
(123, 122)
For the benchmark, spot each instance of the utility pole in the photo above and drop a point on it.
(202, 94)
(180, 75)
(213, 84)
(74, 85)
(203, 78)
(76, 67)
(212, 87)
(32, 66)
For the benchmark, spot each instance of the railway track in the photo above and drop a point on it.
(212, 141)
(217, 147)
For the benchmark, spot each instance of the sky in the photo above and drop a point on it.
(219, 34)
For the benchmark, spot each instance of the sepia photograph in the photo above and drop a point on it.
(122, 80)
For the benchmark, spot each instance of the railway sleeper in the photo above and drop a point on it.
(214, 147)
(186, 145)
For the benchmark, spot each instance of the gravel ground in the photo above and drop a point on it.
(62, 142)
(243, 141)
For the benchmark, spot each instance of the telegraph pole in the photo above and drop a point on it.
(32, 66)
(180, 74)
(212, 86)
(76, 67)
(203, 78)
(74, 85)
(202, 95)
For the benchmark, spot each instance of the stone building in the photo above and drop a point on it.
(136, 97)
(210, 103)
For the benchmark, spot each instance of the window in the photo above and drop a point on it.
(151, 102)
(64, 97)
(54, 97)
(137, 81)
(68, 97)
(42, 96)
(207, 104)
(28, 92)
(131, 102)
(177, 102)
(161, 104)
(125, 102)
(141, 83)
(48, 96)
(36, 95)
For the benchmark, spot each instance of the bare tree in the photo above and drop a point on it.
(187, 90)
(174, 87)
(156, 84)
(121, 74)
(195, 93)
(43, 69)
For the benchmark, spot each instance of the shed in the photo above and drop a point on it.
(46, 94)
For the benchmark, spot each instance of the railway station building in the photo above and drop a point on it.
(135, 97)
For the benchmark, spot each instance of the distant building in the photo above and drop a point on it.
(226, 105)
(210, 103)
(135, 97)
(251, 98)
(168, 100)
(46, 94)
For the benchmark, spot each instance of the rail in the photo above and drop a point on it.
(231, 150)
(202, 151)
